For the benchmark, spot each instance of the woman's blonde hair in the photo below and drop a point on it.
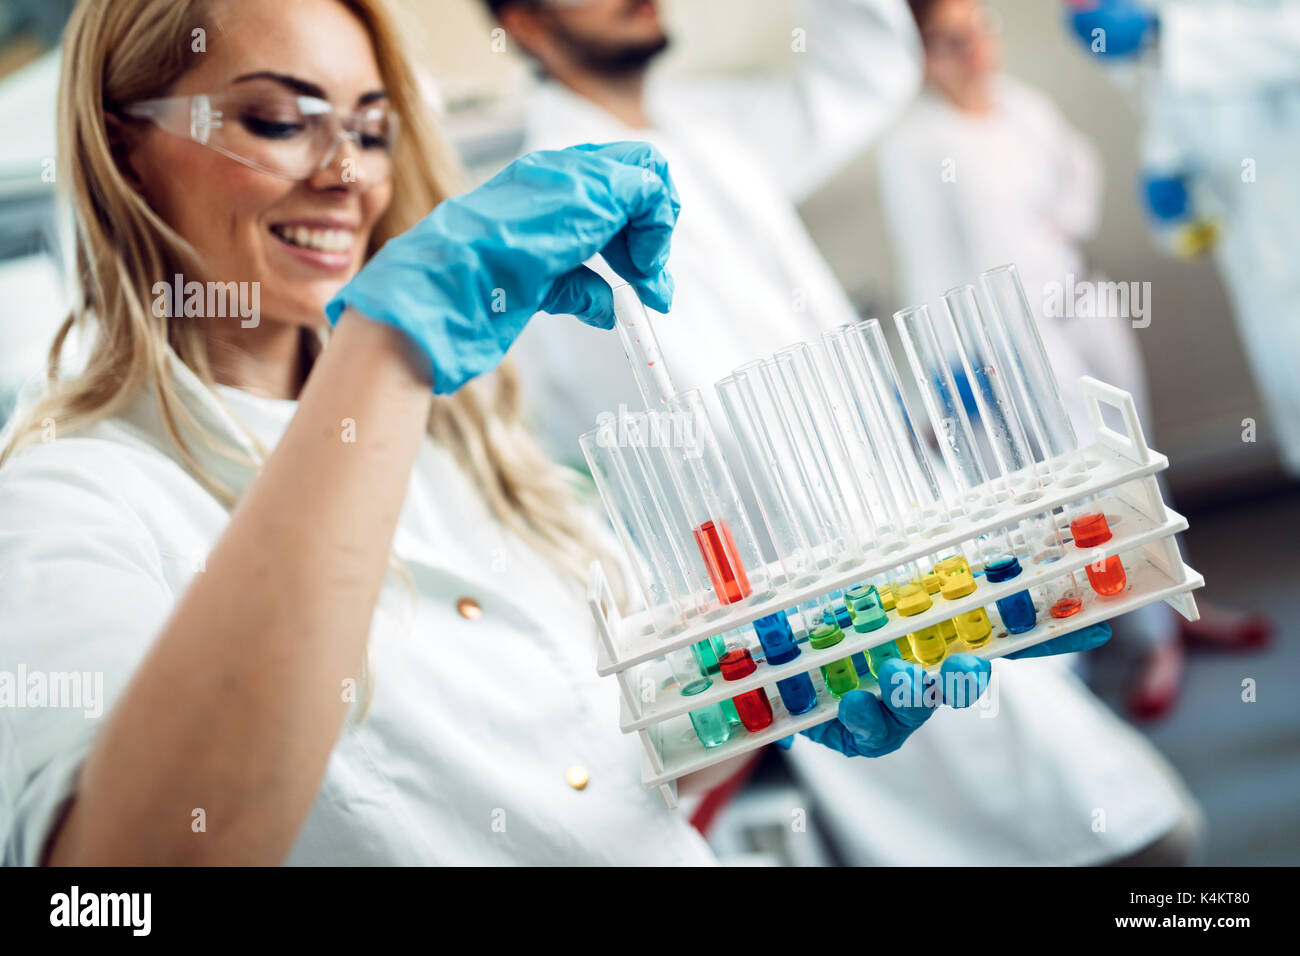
(116, 51)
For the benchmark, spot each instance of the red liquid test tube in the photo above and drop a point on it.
(753, 707)
(1091, 530)
(722, 560)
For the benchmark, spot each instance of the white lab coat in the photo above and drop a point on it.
(741, 152)
(964, 193)
(463, 756)
(749, 280)
(1223, 105)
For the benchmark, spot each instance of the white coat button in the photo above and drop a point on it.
(469, 609)
(576, 776)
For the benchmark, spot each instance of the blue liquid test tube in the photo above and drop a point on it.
(777, 638)
(1017, 609)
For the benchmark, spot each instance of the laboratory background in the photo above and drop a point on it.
(1209, 408)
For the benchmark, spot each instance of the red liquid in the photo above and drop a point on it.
(718, 548)
(1091, 531)
(1065, 607)
(754, 709)
(1111, 579)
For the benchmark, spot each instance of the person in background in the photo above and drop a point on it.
(1017, 789)
(982, 170)
(1219, 83)
(748, 151)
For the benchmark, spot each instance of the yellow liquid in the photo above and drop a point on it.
(905, 648)
(948, 629)
(886, 598)
(974, 627)
(928, 645)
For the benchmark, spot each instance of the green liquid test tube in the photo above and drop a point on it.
(840, 676)
(865, 609)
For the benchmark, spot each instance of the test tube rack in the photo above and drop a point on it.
(1118, 463)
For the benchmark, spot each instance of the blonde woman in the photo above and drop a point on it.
(319, 592)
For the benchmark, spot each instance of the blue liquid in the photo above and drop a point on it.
(1017, 612)
(777, 638)
(797, 693)
(842, 618)
(860, 663)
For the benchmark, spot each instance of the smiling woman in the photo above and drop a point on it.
(276, 148)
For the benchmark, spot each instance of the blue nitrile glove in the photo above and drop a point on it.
(1124, 25)
(1084, 639)
(871, 727)
(464, 281)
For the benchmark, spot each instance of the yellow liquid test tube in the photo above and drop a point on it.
(973, 627)
(927, 644)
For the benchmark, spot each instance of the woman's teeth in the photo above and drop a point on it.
(323, 240)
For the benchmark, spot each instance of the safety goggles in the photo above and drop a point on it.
(279, 132)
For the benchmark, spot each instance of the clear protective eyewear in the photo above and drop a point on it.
(279, 132)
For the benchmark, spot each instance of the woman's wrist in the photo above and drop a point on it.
(383, 349)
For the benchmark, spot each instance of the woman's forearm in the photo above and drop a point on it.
(240, 700)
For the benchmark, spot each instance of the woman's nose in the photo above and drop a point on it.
(341, 165)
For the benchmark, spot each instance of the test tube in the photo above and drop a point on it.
(812, 414)
(781, 428)
(707, 653)
(1039, 395)
(1015, 463)
(928, 645)
(840, 676)
(639, 507)
(882, 430)
(753, 706)
(710, 723)
(777, 637)
(721, 528)
(637, 337)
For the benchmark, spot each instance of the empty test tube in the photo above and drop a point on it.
(1038, 394)
(637, 337)
(798, 473)
(906, 495)
(635, 489)
(1015, 462)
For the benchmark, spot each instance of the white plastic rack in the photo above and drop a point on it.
(1118, 464)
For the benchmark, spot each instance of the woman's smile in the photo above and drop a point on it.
(330, 245)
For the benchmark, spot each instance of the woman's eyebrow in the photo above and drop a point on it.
(302, 87)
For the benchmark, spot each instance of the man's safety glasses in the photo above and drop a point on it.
(279, 132)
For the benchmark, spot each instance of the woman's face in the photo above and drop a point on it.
(961, 48)
(300, 240)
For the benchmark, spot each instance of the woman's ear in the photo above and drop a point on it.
(121, 142)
